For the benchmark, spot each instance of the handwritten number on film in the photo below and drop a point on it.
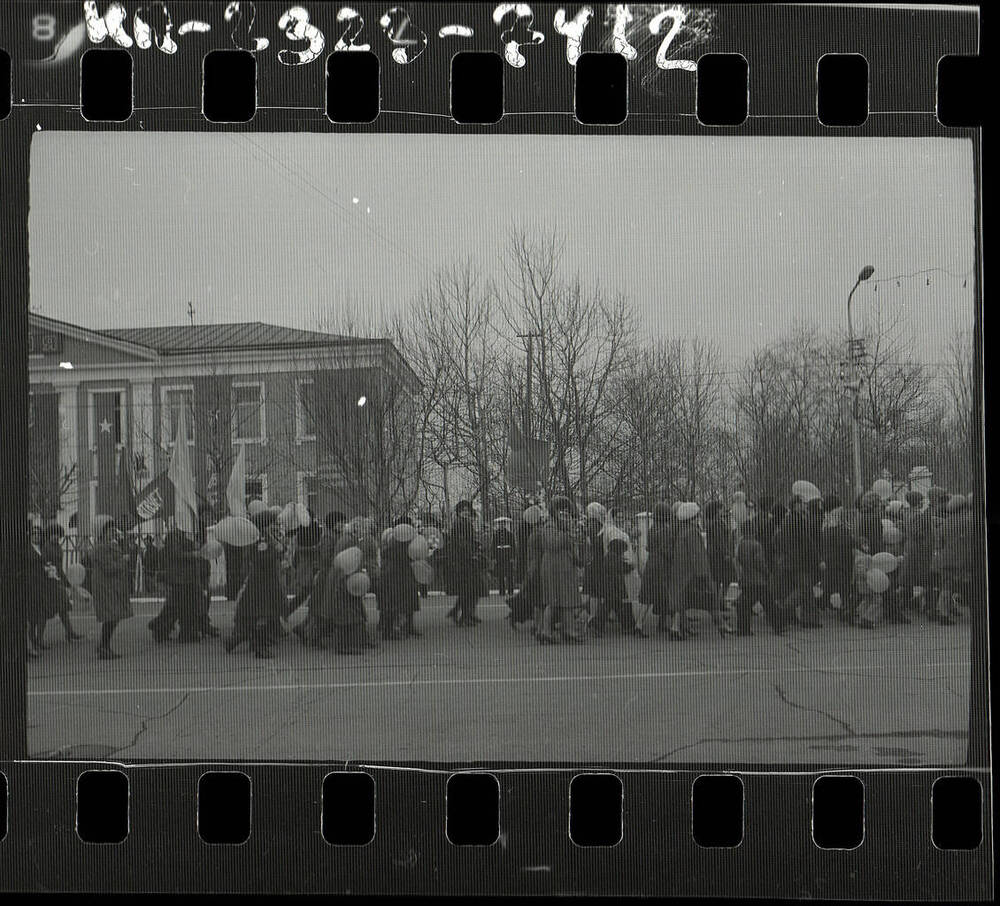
(151, 24)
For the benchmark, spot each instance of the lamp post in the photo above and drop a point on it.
(855, 384)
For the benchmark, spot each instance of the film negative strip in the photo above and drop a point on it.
(493, 449)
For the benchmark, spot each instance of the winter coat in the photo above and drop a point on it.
(593, 573)
(918, 548)
(689, 567)
(464, 572)
(398, 592)
(869, 529)
(503, 546)
(616, 568)
(181, 560)
(262, 596)
(110, 582)
(557, 552)
(720, 551)
(753, 563)
(796, 554)
(58, 588)
(837, 547)
(654, 591)
(957, 536)
(38, 586)
(306, 557)
(524, 532)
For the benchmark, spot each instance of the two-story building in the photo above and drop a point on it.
(101, 399)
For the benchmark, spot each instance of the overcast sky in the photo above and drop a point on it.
(729, 238)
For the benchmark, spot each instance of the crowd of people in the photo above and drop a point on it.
(568, 573)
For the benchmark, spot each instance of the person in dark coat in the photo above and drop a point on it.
(522, 534)
(837, 547)
(690, 573)
(869, 527)
(593, 573)
(719, 541)
(614, 570)
(918, 549)
(755, 578)
(261, 599)
(504, 553)
(399, 595)
(558, 549)
(304, 563)
(52, 555)
(958, 541)
(36, 586)
(465, 566)
(234, 570)
(110, 584)
(182, 575)
(346, 611)
(796, 553)
(654, 590)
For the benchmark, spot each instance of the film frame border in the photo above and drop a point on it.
(400, 845)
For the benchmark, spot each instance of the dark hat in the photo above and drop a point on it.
(561, 504)
(712, 509)
(831, 502)
(914, 498)
(662, 512)
(263, 519)
(333, 519)
(403, 520)
(464, 506)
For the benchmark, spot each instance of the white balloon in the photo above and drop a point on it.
(236, 531)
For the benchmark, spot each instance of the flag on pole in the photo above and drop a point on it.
(236, 490)
(182, 478)
(156, 499)
(106, 439)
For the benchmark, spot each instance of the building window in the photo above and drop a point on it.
(173, 399)
(248, 411)
(256, 489)
(305, 410)
(118, 420)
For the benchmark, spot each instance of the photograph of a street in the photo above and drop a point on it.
(668, 455)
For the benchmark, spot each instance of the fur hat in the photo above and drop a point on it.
(264, 519)
(688, 511)
(914, 498)
(662, 512)
(334, 518)
(464, 506)
(560, 504)
(712, 509)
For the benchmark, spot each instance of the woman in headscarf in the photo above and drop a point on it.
(654, 591)
(690, 572)
(261, 599)
(110, 583)
(558, 550)
(304, 562)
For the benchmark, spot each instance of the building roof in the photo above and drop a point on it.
(205, 337)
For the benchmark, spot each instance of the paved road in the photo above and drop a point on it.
(895, 696)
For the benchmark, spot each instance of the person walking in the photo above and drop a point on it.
(398, 595)
(110, 583)
(837, 546)
(691, 581)
(796, 564)
(464, 566)
(260, 601)
(558, 548)
(721, 551)
(593, 573)
(182, 576)
(755, 578)
(503, 553)
(654, 589)
(918, 549)
(52, 556)
(615, 568)
(304, 563)
(957, 540)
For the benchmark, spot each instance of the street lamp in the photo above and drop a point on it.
(855, 384)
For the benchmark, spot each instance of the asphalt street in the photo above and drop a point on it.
(838, 696)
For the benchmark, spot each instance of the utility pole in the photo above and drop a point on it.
(855, 384)
(191, 313)
(526, 416)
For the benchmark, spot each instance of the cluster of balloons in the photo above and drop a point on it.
(418, 548)
(877, 569)
(348, 562)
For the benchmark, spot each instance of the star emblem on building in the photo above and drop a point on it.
(105, 426)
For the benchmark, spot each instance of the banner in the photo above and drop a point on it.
(156, 499)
